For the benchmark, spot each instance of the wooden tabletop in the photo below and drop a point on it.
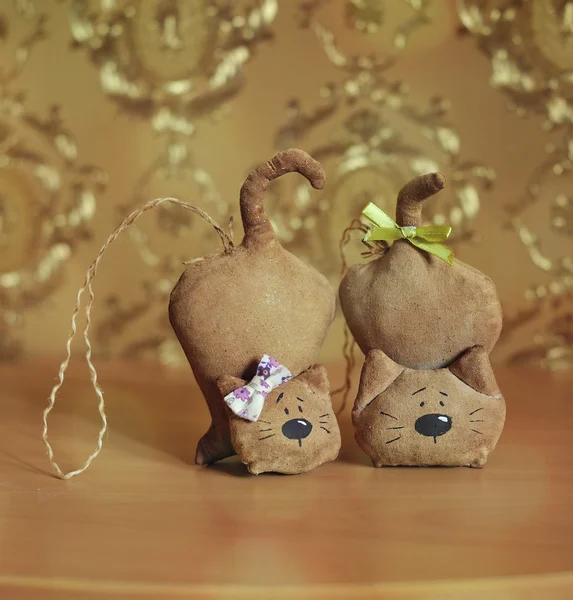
(145, 522)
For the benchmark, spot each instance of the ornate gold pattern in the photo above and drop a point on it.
(368, 17)
(530, 45)
(386, 139)
(172, 63)
(172, 69)
(46, 196)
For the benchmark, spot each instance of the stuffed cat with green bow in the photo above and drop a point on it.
(416, 417)
(422, 315)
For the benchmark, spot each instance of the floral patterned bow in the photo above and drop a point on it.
(248, 401)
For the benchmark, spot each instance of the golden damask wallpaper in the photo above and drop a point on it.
(106, 104)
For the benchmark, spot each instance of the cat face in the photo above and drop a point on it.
(449, 417)
(296, 431)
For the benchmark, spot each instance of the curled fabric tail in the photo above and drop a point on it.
(411, 198)
(91, 273)
(256, 224)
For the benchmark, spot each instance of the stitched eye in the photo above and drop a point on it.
(286, 411)
(300, 409)
(441, 403)
(422, 403)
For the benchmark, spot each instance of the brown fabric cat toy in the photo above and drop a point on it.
(296, 430)
(449, 417)
(228, 311)
(256, 299)
(422, 312)
(426, 328)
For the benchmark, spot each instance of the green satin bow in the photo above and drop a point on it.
(425, 238)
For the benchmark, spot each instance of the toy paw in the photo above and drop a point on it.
(480, 461)
(296, 430)
(446, 417)
(212, 447)
(255, 468)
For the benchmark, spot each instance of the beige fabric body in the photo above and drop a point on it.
(422, 312)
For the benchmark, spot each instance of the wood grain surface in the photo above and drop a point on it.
(145, 522)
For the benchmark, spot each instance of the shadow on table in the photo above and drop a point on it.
(167, 414)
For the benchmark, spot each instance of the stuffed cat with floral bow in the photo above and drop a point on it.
(258, 299)
(280, 423)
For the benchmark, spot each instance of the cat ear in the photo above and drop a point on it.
(474, 369)
(378, 373)
(317, 378)
(227, 384)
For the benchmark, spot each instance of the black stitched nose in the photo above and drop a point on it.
(433, 425)
(297, 429)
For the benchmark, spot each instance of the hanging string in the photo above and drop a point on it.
(374, 250)
(226, 239)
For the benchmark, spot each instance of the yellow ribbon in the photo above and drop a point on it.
(426, 238)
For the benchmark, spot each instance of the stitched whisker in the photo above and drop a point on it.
(477, 431)
(325, 429)
(267, 422)
(476, 421)
(395, 439)
(267, 437)
(387, 415)
(265, 430)
(475, 411)
(396, 427)
(325, 415)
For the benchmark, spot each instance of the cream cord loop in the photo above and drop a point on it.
(91, 273)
